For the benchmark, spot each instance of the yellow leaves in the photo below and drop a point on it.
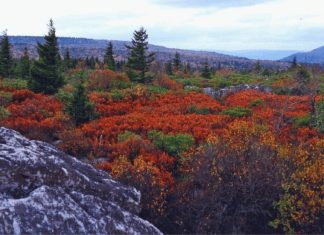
(213, 139)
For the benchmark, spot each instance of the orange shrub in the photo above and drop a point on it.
(104, 79)
(168, 83)
(37, 116)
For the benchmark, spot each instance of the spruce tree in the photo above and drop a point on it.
(205, 73)
(5, 56)
(80, 107)
(139, 59)
(25, 65)
(109, 57)
(294, 62)
(187, 68)
(168, 68)
(257, 67)
(177, 61)
(219, 66)
(46, 76)
(67, 59)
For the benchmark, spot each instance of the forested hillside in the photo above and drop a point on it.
(82, 48)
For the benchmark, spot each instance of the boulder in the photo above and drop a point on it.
(221, 93)
(45, 191)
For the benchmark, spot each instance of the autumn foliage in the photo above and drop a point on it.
(249, 163)
(36, 115)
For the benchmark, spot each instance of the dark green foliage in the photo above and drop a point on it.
(266, 72)
(46, 76)
(67, 60)
(91, 62)
(14, 83)
(5, 98)
(127, 135)
(219, 66)
(319, 116)
(24, 70)
(80, 107)
(4, 113)
(303, 76)
(109, 57)
(116, 95)
(120, 65)
(139, 59)
(304, 121)
(168, 68)
(237, 111)
(5, 56)
(257, 102)
(172, 144)
(294, 62)
(157, 89)
(195, 109)
(205, 73)
(177, 61)
(187, 68)
(257, 67)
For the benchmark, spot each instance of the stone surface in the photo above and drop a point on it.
(45, 191)
(220, 93)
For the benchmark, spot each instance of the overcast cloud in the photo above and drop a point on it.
(188, 24)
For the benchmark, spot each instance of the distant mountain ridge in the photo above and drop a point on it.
(315, 56)
(83, 47)
(261, 54)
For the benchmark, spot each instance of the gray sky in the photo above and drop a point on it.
(187, 24)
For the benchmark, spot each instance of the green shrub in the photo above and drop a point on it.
(116, 95)
(5, 98)
(14, 83)
(282, 90)
(127, 135)
(119, 84)
(237, 111)
(304, 121)
(194, 109)
(4, 113)
(257, 102)
(64, 96)
(319, 116)
(157, 89)
(171, 144)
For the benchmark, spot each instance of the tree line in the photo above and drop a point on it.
(45, 73)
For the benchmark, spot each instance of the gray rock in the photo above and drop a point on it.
(45, 191)
(221, 93)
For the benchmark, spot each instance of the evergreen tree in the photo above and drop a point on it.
(5, 56)
(46, 76)
(205, 73)
(87, 62)
(294, 62)
(120, 65)
(109, 57)
(80, 107)
(67, 59)
(25, 65)
(257, 67)
(219, 66)
(187, 69)
(139, 59)
(168, 68)
(176, 61)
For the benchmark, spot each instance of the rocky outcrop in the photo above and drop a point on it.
(232, 89)
(45, 191)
